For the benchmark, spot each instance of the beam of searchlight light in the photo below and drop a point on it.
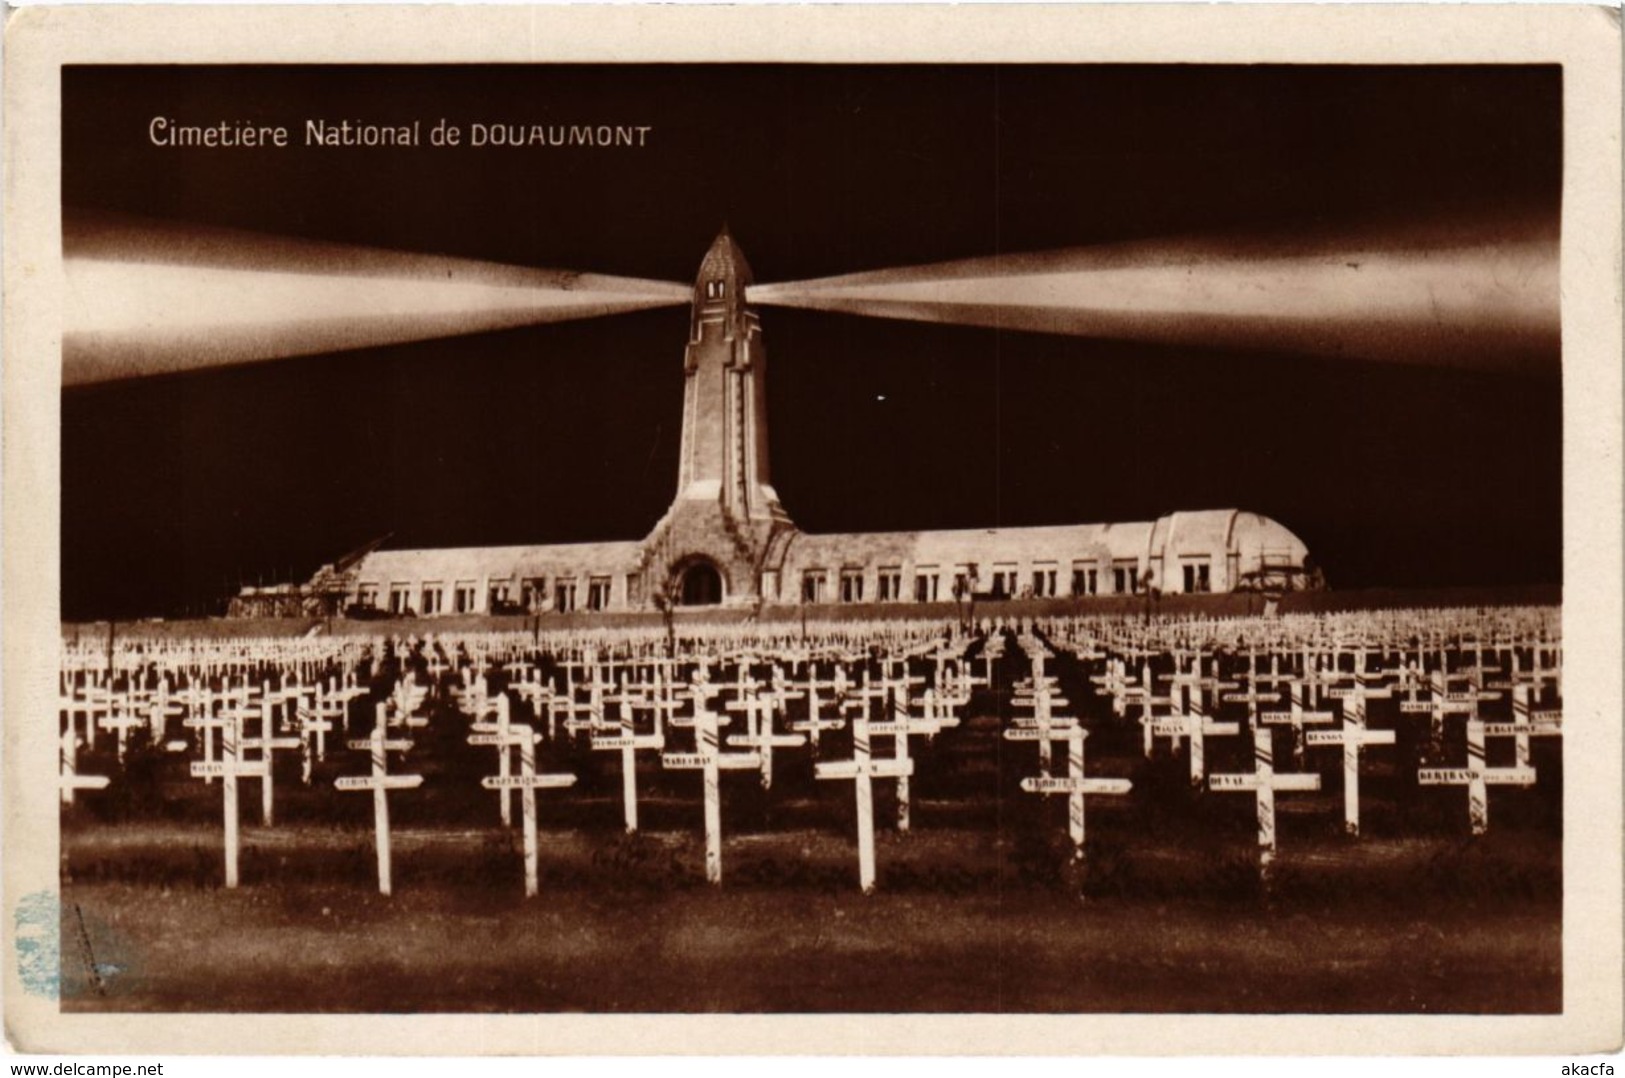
(145, 299)
(1480, 303)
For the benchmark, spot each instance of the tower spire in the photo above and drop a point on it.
(726, 514)
(724, 445)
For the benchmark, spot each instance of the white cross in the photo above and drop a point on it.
(434, 663)
(472, 699)
(339, 698)
(629, 742)
(208, 723)
(1320, 675)
(992, 651)
(1075, 785)
(159, 709)
(664, 702)
(501, 736)
(781, 691)
(1476, 776)
(380, 782)
(1353, 736)
(815, 723)
(1296, 716)
(267, 743)
(862, 769)
(1263, 782)
(527, 782)
(1476, 673)
(1252, 698)
(1042, 700)
(70, 779)
(314, 726)
(1275, 677)
(1196, 726)
(1435, 706)
(710, 760)
(1526, 723)
(759, 710)
(405, 702)
(227, 769)
(1116, 684)
(538, 693)
(898, 726)
(959, 684)
(593, 708)
(1354, 696)
(122, 721)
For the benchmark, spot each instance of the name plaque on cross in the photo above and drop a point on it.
(783, 741)
(639, 741)
(1352, 735)
(512, 737)
(1256, 782)
(1490, 776)
(862, 769)
(219, 769)
(1263, 782)
(1514, 729)
(524, 782)
(378, 782)
(394, 744)
(1074, 784)
(1058, 730)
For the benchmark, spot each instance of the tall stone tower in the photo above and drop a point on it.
(714, 541)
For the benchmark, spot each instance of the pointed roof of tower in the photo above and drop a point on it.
(725, 260)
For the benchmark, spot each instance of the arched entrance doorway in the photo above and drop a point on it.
(702, 585)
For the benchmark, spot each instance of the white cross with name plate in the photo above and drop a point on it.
(1526, 722)
(899, 725)
(759, 710)
(1477, 776)
(527, 782)
(203, 718)
(815, 723)
(267, 744)
(1297, 716)
(862, 769)
(1353, 737)
(380, 782)
(629, 743)
(1075, 783)
(710, 760)
(1263, 782)
(1196, 727)
(503, 736)
(228, 769)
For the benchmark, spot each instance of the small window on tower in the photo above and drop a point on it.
(714, 289)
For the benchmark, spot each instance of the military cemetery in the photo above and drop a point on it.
(1079, 615)
(999, 763)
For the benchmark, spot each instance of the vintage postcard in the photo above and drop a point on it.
(707, 530)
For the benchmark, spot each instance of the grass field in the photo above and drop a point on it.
(626, 924)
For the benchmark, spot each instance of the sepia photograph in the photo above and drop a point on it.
(814, 536)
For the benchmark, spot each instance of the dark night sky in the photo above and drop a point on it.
(176, 487)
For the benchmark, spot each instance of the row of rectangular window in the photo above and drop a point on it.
(1006, 583)
(1043, 583)
(499, 596)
